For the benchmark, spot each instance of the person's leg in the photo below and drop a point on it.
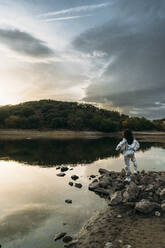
(127, 167)
(133, 159)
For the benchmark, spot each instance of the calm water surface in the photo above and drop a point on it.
(32, 197)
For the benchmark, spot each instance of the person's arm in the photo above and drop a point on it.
(135, 145)
(120, 145)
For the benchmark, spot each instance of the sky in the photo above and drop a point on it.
(109, 53)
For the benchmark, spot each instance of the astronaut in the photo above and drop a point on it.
(128, 146)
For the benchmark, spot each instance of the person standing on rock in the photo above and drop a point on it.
(128, 146)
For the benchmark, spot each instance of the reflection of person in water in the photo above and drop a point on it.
(128, 146)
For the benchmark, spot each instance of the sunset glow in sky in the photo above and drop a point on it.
(110, 53)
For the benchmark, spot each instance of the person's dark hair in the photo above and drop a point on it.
(128, 135)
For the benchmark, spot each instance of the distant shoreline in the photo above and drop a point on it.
(144, 136)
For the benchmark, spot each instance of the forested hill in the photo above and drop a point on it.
(50, 114)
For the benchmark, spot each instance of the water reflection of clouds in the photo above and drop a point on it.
(22, 221)
(23, 183)
(154, 159)
(33, 203)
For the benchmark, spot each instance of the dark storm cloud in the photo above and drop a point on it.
(148, 102)
(24, 43)
(134, 38)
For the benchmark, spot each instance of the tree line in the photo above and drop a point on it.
(50, 114)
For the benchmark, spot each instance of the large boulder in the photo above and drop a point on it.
(161, 178)
(162, 194)
(71, 244)
(146, 180)
(131, 193)
(102, 191)
(150, 188)
(163, 207)
(145, 206)
(105, 182)
(104, 171)
(116, 198)
(93, 185)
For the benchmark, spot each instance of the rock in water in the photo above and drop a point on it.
(64, 168)
(116, 198)
(74, 177)
(61, 174)
(145, 206)
(59, 236)
(78, 185)
(67, 239)
(92, 176)
(71, 183)
(69, 201)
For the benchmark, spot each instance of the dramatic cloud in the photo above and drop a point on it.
(24, 43)
(134, 43)
(115, 58)
(61, 80)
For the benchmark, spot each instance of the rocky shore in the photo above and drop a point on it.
(135, 215)
(145, 193)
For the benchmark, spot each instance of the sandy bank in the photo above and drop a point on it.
(135, 215)
(137, 231)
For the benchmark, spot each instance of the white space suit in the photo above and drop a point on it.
(129, 154)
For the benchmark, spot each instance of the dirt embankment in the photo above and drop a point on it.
(50, 134)
(135, 215)
(67, 134)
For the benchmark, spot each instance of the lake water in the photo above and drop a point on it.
(32, 197)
